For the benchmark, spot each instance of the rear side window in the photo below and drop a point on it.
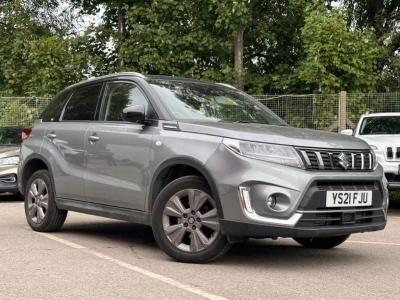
(53, 110)
(82, 104)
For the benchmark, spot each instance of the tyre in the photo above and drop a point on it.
(41, 210)
(322, 243)
(185, 222)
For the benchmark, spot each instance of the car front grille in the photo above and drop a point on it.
(330, 159)
(321, 219)
(347, 185)
(393, 153)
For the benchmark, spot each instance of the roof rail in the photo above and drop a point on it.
(226, 85)
(130, 73)
(107, 76)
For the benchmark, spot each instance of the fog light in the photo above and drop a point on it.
(278, 202)
(271, 201)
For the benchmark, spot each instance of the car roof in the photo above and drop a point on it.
(146, 77)
(385, 114)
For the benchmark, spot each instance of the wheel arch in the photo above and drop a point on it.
(31, 165)
(168, 165)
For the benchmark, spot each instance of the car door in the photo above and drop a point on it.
(118, 152)
(66, 144)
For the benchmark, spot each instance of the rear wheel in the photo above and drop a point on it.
(322, 243)
(41, 210)
(185, 221)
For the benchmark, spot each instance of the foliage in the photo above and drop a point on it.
(383, 17)
(290, 46)
(37, 57)
(337, 58)
(178, 38)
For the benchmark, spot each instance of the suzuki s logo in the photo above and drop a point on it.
(344, 161)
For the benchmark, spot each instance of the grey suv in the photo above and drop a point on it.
(204, 164)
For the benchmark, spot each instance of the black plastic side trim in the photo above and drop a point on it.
(107, 211)
(232, 228)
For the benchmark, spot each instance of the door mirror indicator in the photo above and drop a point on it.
(134, 114)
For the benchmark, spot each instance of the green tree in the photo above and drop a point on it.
(37, 54)
(337, 58)
(383, 17)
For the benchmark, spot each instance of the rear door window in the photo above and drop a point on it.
(53, 110)
(82, 104)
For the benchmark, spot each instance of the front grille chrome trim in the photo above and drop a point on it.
(336, 160)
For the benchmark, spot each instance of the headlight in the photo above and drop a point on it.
(12, 160)
(284, 155)
(373, 147)
(374, 160)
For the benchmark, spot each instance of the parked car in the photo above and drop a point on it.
(204, 164)
(382, 132)
(10, 143)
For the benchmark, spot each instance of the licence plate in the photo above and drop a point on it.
(348, 198)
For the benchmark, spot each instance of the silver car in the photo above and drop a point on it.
(204, 164)
(10, 143)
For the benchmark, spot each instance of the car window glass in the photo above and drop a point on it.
(82, 105)
(53, 110)
(123, 94)
(380, 125)
(10, 136)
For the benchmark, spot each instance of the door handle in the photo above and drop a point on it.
(51, 136)
(93, 138)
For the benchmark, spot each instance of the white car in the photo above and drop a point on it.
(382, 132)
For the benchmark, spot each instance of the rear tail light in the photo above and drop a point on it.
(26, 132)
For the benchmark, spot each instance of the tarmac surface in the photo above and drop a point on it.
(97, 258)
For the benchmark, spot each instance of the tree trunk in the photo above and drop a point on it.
(121, 32)
(239, 58)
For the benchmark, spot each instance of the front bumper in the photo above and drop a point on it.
(232, 228)
(304, 213)
(391, 170)
(8, 183)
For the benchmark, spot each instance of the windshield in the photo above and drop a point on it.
(210, 102)
(380, 125)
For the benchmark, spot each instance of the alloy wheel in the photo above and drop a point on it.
(190, 220)
(38, 200)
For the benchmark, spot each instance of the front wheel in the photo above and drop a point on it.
(322, 243)
(185, 222)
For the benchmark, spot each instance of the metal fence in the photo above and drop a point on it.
(315, 111)
(20, 111)
(329, 111)
(358, 104)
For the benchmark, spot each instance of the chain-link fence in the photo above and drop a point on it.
(358, 104)
(20, 111)
(322, 111)
(315, 111)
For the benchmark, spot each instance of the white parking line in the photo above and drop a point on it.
(375, 243)
(162, 278)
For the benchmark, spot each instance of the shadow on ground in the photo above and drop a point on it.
(9, 198)
(265, 252)
(256, 253)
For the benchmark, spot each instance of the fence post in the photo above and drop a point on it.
(342, 111)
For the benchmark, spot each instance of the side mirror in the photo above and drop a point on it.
(347, 132)
(134, 114)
